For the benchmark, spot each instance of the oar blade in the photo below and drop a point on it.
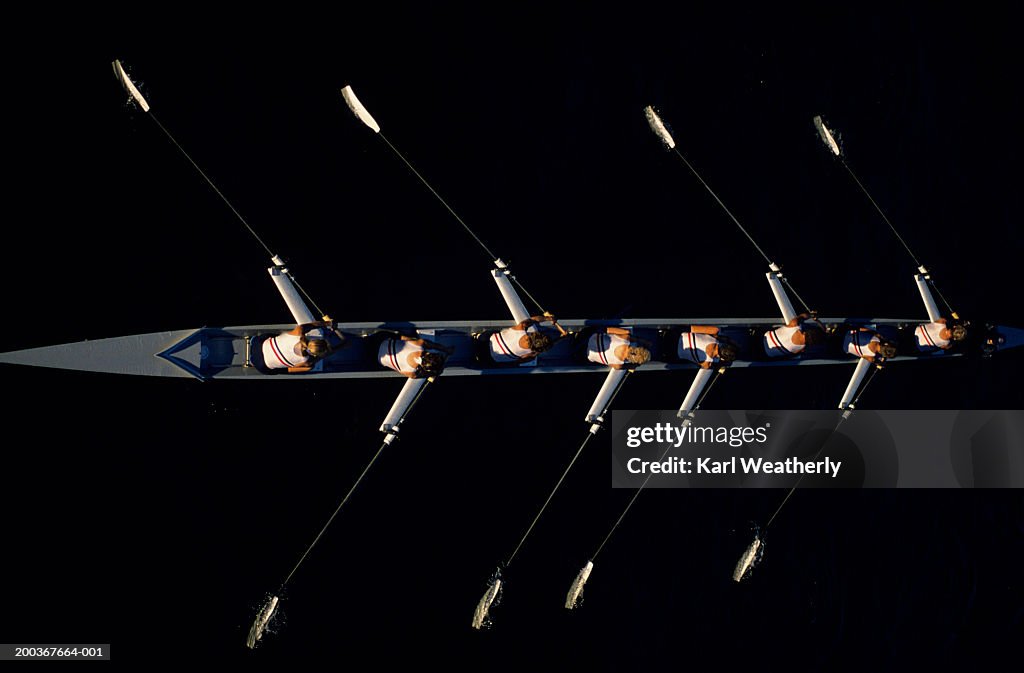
(659, 127)
(129, 86)
(259, 625)
(572, 600)
(826, 136)
(481, 616)
(749, 559)
(358, 109)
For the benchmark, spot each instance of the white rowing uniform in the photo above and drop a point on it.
(279, 352)
(505, 344)
(693, 346)
(601, 348)
(394, 354)
(778, 342)
(928, 339)
(858, 343)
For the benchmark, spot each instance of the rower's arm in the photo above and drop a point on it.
(704, 329)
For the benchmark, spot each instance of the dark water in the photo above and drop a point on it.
(154, 515)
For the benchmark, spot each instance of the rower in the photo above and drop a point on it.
(301, 349)
(791, 339)
(799, 331)
(939, 334)
(522, 342)
(617, 348)
(870, 348)
(296, 350)
(868, 344)
(704, 346)
(413, 357)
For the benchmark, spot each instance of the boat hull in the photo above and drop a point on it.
(221, 352)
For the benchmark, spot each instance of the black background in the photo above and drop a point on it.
(155, 514)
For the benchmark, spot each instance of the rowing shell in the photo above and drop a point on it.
(226, 352)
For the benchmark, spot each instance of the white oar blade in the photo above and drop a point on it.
(658, 127)
(129, 86)
(572, 600)
(483, 608)
(259, 625)
(749, 559)
(826, 136)
(359, 109)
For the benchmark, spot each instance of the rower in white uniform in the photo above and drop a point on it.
(298, 350)
(413, 357)
(936, 335)
(705, 347)
(617, 348)
(868, 344)
(522, 342)
(791, 339)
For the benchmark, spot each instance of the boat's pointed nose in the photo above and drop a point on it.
(120, 355)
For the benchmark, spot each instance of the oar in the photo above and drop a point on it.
(481, 615)
(136, 95)
(361, 113)
(572, 599)
(832, 144)
(661, 130)
(265, 614)
(755, 551)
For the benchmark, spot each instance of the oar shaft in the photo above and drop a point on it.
(721, 203)
(336, 510)
(880, 211)
(212, 185)
(650, 474)
(491, 256)
(440, 198)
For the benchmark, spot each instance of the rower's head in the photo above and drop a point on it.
(317, 348)
(539, 342)
(638, 355)
(727, 352)
(887, 349)
(431, 364)
(813, 336)
(957, 332)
